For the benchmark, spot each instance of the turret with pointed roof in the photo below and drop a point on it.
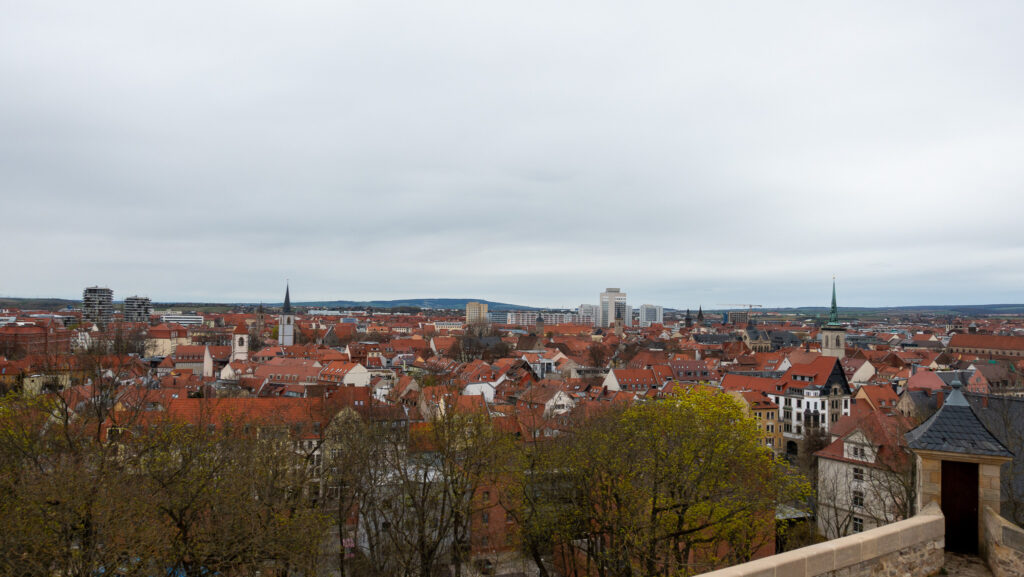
(700, 314)
(956, 429)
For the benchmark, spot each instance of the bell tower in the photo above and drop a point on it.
(833, 334)
(286, 321)
(240, 343)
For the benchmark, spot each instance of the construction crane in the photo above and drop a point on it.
(749, 306)
(750, 309)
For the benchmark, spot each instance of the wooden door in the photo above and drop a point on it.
(960, 506)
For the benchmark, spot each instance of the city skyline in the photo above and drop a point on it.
(271, 302)
(527, 153)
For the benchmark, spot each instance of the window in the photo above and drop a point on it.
(858, 524)
(858, 474)
(858, 498)
(485, 517)
(487, 496)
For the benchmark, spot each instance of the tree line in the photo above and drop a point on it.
(668, 487)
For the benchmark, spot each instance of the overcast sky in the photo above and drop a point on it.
(525, 152)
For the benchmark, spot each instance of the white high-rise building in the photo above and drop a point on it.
(651, 315)
(98, 305)
(137, 309)
(588, 315)
(614, 308)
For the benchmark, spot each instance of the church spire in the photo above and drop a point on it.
(287, 309)
(833, 314)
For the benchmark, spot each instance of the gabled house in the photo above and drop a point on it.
(865, 476)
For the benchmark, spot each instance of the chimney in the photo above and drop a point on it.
(939, 397)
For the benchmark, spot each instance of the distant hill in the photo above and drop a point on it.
(54, 304)
(436, 303)
(45, 304)
(995, 310)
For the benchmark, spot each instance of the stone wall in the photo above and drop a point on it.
(911, 548)
(1002, 545)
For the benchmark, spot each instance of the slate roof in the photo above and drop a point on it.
(956, 429)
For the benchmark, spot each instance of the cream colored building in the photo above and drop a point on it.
(476, 313)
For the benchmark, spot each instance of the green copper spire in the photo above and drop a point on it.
(833, 315)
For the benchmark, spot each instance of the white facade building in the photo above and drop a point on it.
(651, 315)
(137, 309)
(182, 319)
(614, 308)
(98, 305)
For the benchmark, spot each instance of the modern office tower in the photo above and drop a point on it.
(98, 305)
(137, 309)
(614, 308)
(651, 315)
(476, 313)
(286, 321)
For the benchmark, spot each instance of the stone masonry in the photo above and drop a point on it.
(1002, 545)
(910, 548)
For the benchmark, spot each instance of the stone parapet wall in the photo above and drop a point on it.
(1002, 545)
(910, 548)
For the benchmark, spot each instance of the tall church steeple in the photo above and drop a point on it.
(833, 334)
(833, 315)
(288, 299)
(286, 321)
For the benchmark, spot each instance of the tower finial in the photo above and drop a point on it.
(287, 308)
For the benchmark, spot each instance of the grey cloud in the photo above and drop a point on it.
(526, 151)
